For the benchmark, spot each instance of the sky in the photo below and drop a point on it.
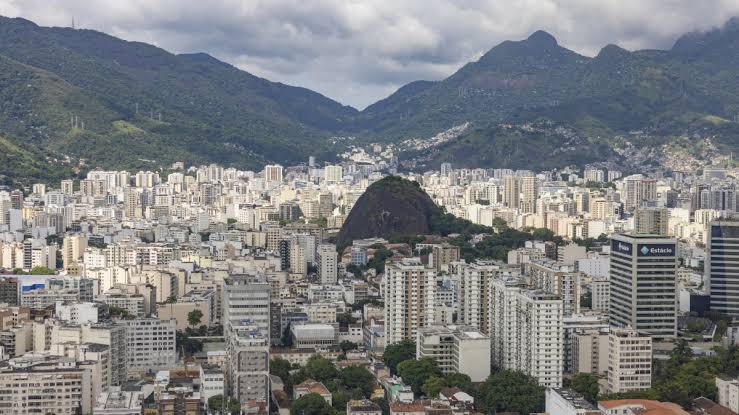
(360, 51)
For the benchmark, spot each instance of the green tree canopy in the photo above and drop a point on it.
(216, 404)
(311, 404)
(510, 391)
(399, 352)
(357, 377)
(194, 317)
(321, 369)
(587, 385)
(416, 372)
(433, 386)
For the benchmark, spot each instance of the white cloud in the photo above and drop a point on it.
(357, 51)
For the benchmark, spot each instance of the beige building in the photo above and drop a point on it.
(457, 349)
(653, 221)
(409, 292)
(629, 361)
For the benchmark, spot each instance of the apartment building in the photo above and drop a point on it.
(409, 292)
(629, 361)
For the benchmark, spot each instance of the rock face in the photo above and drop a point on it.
(390, 207)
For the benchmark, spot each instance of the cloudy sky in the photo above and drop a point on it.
(358, 51)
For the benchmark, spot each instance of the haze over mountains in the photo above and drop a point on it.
(85, 94)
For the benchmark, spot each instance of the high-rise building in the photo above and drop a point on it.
(629, 361)
(512, 191)
(556, 278)
(475, 281)
(73, 248)
(326, 257)
(640, 191)
(528, 335)
(246, 325)
(67, 187)
(333, 174)
(273, 173)
(150, 344)
(529, 194)
(722, 266)
(643, 284)
(652, 221)
(446, 169)
(409, 298)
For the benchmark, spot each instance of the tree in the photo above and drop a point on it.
(433, 386)
(587, 385)
(416, 372)
(459, 380)
(118, 311)
(383, 404)
(311, 404)
(399, 352)
(345, 319)
(281, 368)
(510, 391)
(216, 404)
(287, 337)
(339, 400)
(499, 223)
(347, 345)
(194, 317)
(321, 369)
(357, 377)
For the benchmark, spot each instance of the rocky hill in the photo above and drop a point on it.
(389, 207)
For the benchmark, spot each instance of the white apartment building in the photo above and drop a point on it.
(457, 349)
(727, 393)
(246, 321)
(409, 293)
(474, 292)
(529, 337)
(326, 257)
(150, 344)
(629, 361)
(45, 386)
(556, 278)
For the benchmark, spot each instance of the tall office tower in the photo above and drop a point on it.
(273, 173)
(651, 221)
(246, 325)
(73, 248)
(326, 258)
(409, 294)
(16, 199)
(639, 191)
(446, 169)
(474, 292)
(311, 161)
(643, 287)
(722, 266)
(528, 335)
(582, 202)
(556, 278)
(529, 194)
(512, 191)
(131, 203)
(629, 361)
(333, 174)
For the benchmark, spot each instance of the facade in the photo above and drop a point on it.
(326, 257)
(457, 349)
(529, 335)
(45, 386)
(722, 266)
(643, 284)
(556, 278)
(150, 344)
(474, 292)
(727, 393)
(651, 221)
(409, 292)
(246, 325)
(629, 361)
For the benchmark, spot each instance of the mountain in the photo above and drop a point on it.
(691, 89)
(389, 207)
(68, 95)
(156, 105)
